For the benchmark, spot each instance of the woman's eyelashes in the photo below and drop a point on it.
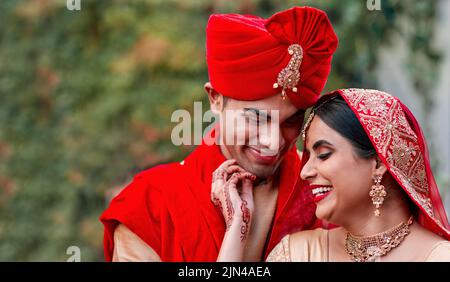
(324, 156)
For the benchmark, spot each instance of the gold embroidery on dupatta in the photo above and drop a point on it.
(394, 139)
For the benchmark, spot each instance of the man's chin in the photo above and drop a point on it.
(261, 170)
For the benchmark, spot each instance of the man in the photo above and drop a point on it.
(256, 67)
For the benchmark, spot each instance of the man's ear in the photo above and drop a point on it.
(216, 100)
(379, 168)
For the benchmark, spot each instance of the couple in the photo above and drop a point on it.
(231, 202)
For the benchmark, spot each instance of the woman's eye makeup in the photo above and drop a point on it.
(323, 149)
(324, 156)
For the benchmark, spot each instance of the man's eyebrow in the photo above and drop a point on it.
(319, 143)
(259, 113)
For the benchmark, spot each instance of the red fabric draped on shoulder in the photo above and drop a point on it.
(141, 207)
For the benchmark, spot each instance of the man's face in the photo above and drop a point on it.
(267, 129)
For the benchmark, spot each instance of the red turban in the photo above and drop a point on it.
(248, 57)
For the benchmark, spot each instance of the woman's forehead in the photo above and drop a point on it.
(319, 130)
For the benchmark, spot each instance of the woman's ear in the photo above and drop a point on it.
(215, 98)
(379, 168)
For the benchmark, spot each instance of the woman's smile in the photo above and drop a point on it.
(320, 192)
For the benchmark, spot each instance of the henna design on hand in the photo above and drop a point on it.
(245, 219)
(219, 173)
(229, 206)
(217, 203)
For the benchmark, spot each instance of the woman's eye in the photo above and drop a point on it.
(324, 156)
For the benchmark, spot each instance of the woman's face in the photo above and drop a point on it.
(333, 165)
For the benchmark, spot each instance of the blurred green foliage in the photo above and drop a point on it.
(86, 99)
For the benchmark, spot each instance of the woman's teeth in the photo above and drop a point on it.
(321, 190)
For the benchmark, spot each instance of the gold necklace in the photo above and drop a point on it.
(363, 249)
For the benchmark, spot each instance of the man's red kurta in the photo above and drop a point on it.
(169, 208)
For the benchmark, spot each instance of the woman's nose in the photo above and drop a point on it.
(308, 172)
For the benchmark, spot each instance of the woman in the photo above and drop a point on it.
(366, 163)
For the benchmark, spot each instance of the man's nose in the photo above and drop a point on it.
(271, 138)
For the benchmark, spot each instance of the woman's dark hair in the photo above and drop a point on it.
(334, 112)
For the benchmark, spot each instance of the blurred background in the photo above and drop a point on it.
(86, 98)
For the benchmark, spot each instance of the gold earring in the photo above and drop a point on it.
(377, 193)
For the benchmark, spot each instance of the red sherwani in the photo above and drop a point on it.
(169, 208)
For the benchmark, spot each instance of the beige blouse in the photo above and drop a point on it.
(312, 246)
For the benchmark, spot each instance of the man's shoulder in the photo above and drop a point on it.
(158, 171)
(152, 184)
(160, 177)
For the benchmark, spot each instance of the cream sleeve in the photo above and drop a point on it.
(128, 247)
(281, 251)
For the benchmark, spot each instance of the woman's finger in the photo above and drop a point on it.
(218, 178)
(231, 185)
(235, 169)
(227, 163)
(220, 174)
(222, 169)
(230, 195)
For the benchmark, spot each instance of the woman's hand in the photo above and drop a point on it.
(234, 200)
(232, 192)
